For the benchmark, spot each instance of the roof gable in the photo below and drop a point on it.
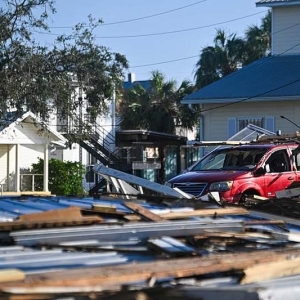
(270, 77)
(28, 129)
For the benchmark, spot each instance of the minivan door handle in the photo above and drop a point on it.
(291, 178)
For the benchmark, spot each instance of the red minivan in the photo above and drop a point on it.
(239, 171)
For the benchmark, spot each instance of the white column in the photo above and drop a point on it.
(17, 171)
(46, 167)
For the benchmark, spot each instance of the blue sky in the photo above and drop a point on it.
(157, 46)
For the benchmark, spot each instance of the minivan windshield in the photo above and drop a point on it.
(231, 159)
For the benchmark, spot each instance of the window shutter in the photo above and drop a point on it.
(231, 127)
(270, 123)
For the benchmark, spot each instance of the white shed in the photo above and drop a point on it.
(22, 142)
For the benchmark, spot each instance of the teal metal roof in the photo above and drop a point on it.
(268, 79)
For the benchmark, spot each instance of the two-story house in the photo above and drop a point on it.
(265, 93)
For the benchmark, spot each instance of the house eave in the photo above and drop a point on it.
(276, 3)
(239, 100)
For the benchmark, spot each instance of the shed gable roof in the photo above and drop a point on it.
(268, 78)
(9, 129)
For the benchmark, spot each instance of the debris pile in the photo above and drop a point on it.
(116, 248)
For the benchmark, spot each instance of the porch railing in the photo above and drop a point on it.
(31, 182)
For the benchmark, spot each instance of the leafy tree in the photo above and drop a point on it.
(32, 74)
(65, 178)
(230, 52)
(158, 109)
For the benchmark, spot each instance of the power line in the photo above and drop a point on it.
(163, 33)
(175, 31)
(193, 56)
(165, 62)
(142, 18)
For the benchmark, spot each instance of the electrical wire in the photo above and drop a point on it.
(140, 18)
(164, 62)
(193, 56)
(162, 33)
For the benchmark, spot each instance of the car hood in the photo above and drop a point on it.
(207, 176)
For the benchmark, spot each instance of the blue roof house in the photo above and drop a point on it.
(265, 93)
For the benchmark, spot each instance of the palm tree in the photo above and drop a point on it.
(157, 108)
(258, 40)
(230, 52)
(219, 60)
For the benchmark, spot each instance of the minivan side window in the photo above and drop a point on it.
(279, 162)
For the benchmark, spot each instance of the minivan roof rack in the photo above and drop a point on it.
(279, 138)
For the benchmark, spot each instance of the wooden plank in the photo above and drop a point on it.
(208, 212)
(18, 225)
(247, 235)
(9, 275)
(271, 270)
(104, 277)
(143, 212)
(104, 209)
(63, 214)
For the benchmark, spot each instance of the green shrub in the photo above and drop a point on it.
(65, 178)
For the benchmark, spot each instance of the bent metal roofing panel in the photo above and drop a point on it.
(270, 78)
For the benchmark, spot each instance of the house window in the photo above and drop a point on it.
(243, 122)
(237, 124)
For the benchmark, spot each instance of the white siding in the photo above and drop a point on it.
(216, 120)
(30, 154)
(286, 30)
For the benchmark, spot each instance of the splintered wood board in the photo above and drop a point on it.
(209, 212)
(105, 277)
(143, 212)
(266, 271)
(63, 214)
